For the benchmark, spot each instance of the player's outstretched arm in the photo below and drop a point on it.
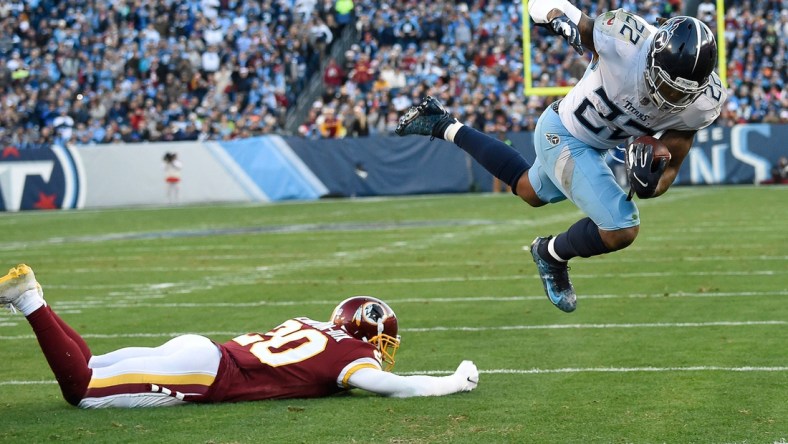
(564, 19)
(464, 379)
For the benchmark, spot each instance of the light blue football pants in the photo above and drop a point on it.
(566, 168)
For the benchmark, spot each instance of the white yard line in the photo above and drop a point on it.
(263, 277)
(229, 335)
(539, 371)
(141, 301)
(341, 264)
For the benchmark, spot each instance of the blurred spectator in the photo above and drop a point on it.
(330, 126)
(344, 11)
(363, 74)
(359, 127)
(63, 124)
(779, 173)
(707, 12)
(333, 76)
(172, 176)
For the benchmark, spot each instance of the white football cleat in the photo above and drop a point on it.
(16, 283)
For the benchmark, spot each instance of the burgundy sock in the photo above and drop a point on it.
(63, 354)
(71, 333)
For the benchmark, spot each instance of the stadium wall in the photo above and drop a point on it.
(274, 168)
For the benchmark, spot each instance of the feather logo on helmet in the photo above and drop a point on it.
(665, 33)
(369, 312)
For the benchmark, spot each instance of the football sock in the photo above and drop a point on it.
(581, 239)
(29, 302)
(501, 160)
(63, 354)
(446, 127)
(71, 333)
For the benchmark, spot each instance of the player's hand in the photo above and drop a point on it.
(564, 27)
(468, 374)
(642, 174)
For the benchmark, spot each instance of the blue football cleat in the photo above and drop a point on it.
(555, 279)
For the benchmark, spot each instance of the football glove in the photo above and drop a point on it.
(642, 173)
(468, 375)
(564, 27)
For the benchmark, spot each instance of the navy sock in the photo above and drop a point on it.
(501, 160)
(581, 239)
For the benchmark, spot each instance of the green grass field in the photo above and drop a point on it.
(683, 337)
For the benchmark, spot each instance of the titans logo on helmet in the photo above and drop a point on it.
(40, 179)
(665, 33)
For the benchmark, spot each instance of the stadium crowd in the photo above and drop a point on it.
(102, 71)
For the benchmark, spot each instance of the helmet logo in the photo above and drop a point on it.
(370, 313)
(373, 313)
(666, 32)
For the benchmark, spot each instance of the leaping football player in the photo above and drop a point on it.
(299, 358)
(642, 80)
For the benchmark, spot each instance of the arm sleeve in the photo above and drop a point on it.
(389, 384)
(538, 10)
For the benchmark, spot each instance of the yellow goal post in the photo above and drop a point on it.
(530, 90)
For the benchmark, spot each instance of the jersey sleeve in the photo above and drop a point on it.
(619, 36)
(706, 108)
(349, 370)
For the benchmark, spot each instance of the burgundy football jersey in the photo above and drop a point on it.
(301, 358)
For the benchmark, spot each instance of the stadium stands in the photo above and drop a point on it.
(99, 71)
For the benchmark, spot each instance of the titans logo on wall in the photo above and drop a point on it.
(40, 179)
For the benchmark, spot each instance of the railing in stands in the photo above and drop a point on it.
(315, 88)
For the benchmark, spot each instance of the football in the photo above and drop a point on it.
(660, 149)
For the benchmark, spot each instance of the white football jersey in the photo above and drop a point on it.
(611, 101)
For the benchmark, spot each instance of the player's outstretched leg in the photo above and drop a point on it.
(65, 351)
(430, 118)
(555, 276)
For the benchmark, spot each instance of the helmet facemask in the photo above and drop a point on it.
(387, 346)
(669, 94)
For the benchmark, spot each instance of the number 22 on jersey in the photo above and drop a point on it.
(285, 344)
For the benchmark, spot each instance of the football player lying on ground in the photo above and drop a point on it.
(300, 358)
(642, 80)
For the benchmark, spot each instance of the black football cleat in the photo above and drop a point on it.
(428, 118)
(555, 279)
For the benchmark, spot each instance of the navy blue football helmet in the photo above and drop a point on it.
(681, 58)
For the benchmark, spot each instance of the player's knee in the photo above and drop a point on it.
(532, 200)
(526, 192)
(619, 239)
(73, 395)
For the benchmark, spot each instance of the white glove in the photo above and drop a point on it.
(468, 375)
